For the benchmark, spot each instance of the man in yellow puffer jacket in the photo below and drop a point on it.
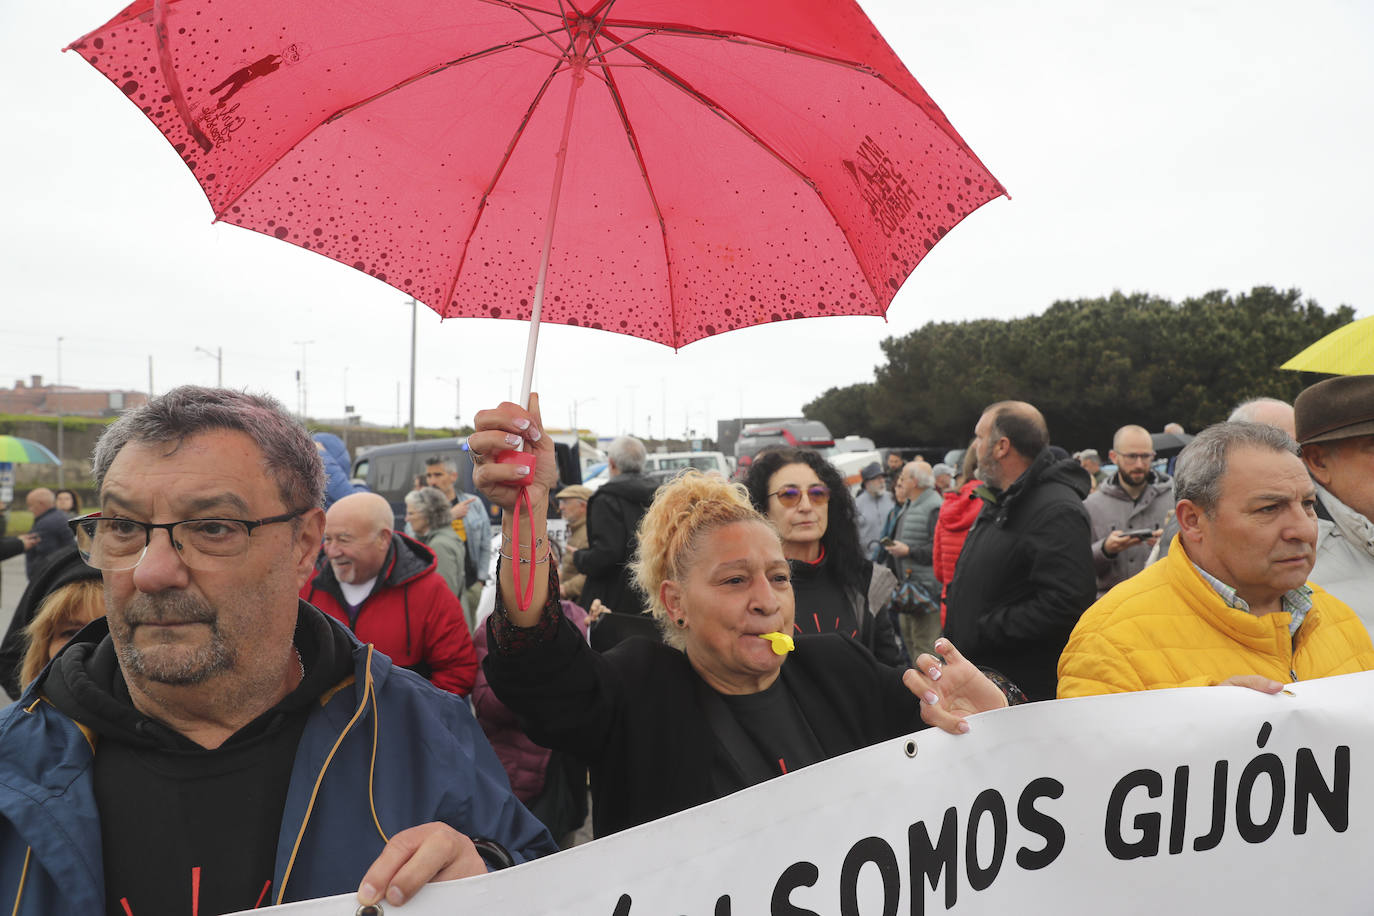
(1230, 602)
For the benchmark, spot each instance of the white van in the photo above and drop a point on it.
(670, 463)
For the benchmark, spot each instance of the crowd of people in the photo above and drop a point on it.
(254, 644)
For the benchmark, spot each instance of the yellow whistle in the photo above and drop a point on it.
(781, 643)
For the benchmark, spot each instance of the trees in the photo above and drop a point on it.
(1090, 365)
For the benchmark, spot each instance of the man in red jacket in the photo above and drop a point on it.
(384, 587)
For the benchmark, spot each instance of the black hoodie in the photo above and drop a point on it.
(1025, 576)
(64, 568)
(180, 822)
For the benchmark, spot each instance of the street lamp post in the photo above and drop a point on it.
(301, 391)
(457, 402)
(218, 357)
(577, 430)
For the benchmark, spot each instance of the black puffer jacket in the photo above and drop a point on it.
(1025, 576)
(613, 515)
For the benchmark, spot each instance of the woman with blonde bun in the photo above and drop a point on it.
(728, 699)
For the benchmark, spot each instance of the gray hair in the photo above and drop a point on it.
(1202, 463)
(921, 474)
(447, 463)
(290, 455)
(1249, 411)
(433, 505)
(628, 453)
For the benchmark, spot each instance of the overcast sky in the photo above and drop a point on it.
(1173, 147)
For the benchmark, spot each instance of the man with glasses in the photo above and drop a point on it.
(215, 744)
(1128, 510)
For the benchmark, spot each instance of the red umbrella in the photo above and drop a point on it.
(727, 163)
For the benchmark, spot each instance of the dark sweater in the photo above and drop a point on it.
(186, 828)
(637, 713)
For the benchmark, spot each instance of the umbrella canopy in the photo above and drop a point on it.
(1348, 350)
(17, 450)
(1167, 445)
(727, 163)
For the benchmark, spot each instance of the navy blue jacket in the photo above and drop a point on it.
(432, 764)
(52, 528)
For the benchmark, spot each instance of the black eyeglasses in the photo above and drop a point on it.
(789, 496)
(208, 544)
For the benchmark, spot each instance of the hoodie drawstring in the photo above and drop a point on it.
(23, 876)
(369, 697)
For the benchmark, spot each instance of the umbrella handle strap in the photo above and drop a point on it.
(523, 597)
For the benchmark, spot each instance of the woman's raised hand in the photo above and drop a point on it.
(509, 426)
(952, 689)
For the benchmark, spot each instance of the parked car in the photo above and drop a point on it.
(391, 469)
(678, 461)
(850, 444)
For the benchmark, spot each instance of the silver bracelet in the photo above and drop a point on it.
(539, 542)
(506, 556)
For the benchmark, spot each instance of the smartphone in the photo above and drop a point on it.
(1142, 533)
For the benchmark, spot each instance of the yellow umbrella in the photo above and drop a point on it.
(1348, 350)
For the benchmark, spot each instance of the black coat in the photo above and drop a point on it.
(1025, 576)
(613, 514)
(635, 714)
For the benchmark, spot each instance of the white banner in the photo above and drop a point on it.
(1173, 801)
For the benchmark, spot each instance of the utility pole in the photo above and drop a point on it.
(61, 456)
(414, 309)
(218, 357)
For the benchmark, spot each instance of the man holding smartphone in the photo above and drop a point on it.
(1128, 511)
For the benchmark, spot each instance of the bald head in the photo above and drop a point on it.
(357, 536)
(1131, 438)
(40, 500)
(1133, 451)
(365, 508)
(1270, 412)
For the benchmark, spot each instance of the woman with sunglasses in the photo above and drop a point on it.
(728, 699)
(837, 589)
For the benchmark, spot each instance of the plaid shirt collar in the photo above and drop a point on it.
(1297, 602)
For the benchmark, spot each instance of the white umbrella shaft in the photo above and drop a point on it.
(579, 65)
